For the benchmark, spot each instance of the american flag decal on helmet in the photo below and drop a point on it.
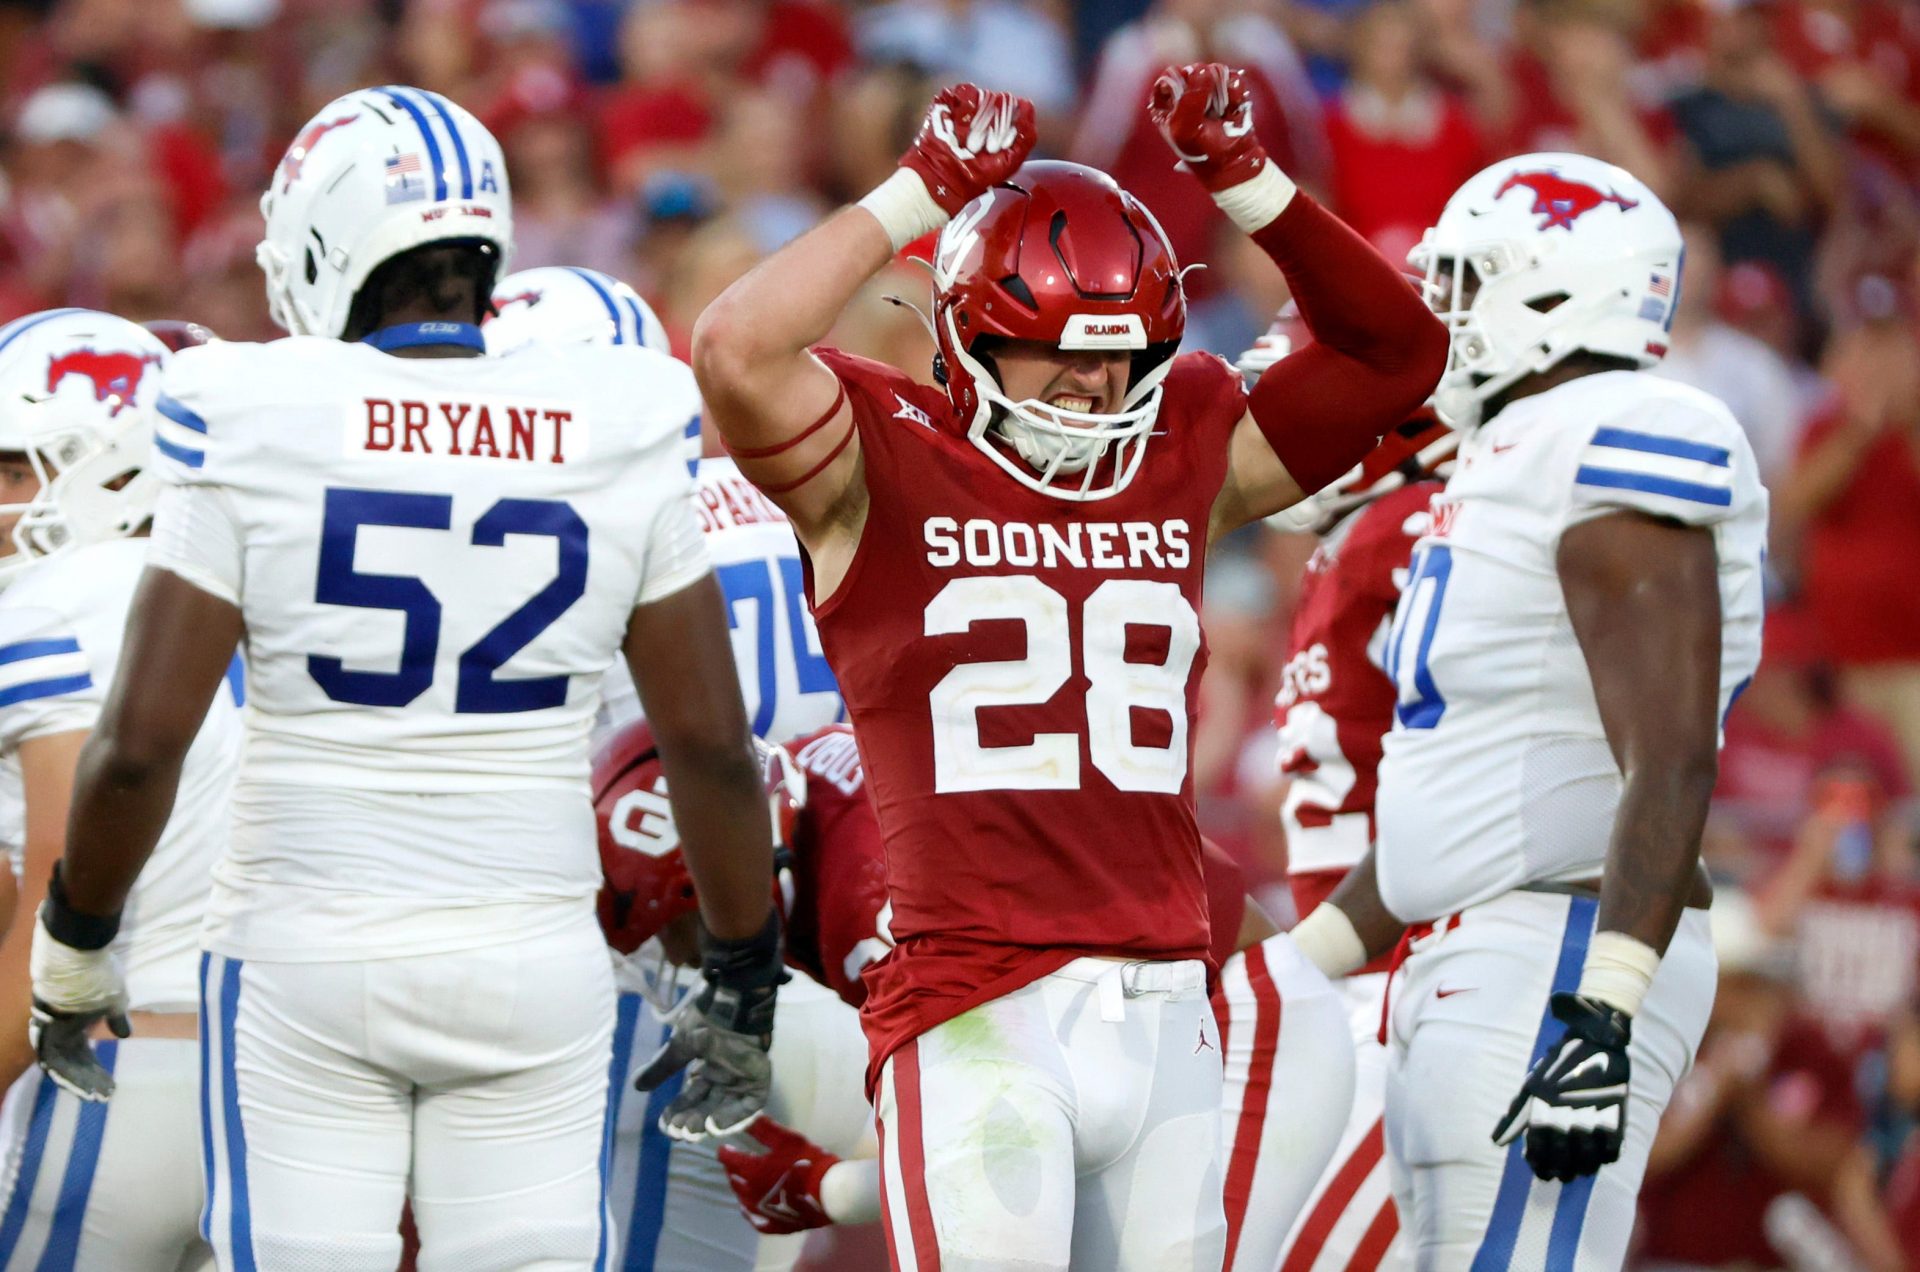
(406, 181)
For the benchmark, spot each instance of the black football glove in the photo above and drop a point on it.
(1573, 1106)
(722, 1041)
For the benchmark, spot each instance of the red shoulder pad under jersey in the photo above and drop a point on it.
(836, 925)
(1335, 703)
(1226, 900)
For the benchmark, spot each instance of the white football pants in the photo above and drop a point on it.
(1349, 1223)
(673, 1210)
(111, 1187)
(1074, 1121)
(473, 1083)
(1289, 1084)
(1469, 1016)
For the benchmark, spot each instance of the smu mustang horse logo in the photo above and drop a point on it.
(1561, 201)
(303, 145)
(114, 375)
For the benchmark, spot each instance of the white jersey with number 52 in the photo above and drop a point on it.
(436, 560)
(1497, 771)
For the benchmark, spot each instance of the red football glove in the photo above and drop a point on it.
(1205, 111)
(780, 1188)
(972, 139)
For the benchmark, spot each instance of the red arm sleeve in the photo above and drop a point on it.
(1377, 353)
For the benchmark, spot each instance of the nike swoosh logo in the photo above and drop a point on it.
(1449, 993)
(1501, 448)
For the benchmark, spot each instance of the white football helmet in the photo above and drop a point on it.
(565, 304)
(77, 395)
(376, 173)
(1541, 256)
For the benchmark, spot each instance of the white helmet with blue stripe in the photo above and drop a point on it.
(376, 173)
(566, 304)
(77, 394)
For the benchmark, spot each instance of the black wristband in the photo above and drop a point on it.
(751, 962)
(69, 926)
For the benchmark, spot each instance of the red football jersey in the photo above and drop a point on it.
(1335, 703)
(836, 921)
(1021, 672)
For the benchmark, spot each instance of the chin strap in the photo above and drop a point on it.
(413, 335)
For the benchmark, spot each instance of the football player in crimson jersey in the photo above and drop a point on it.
(1335, 704)
(1006, 577)
(671, 1205)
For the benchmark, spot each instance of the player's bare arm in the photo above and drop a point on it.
(1644, 599)
(1378, 351)
(780, 412)
(179, 643)
(682, 663)
(1352, 926)
(47, 766)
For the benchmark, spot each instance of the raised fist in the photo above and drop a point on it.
(971, 139)
(1205, 111)
(779, 1189)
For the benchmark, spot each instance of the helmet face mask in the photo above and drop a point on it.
(377, 172)
(1060, 256)
(1540, 257)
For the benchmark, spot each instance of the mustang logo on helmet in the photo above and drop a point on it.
(296, 156)
(1561, 201)
(114, 375)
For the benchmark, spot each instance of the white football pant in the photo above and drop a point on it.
(111, 1187)
(1469, 1019)
(473, 1083)
(1289, 1084)
(1349, 1223)
(1074, 1121)
(673, 1210)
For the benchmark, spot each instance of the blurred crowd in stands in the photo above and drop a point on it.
(674, 142)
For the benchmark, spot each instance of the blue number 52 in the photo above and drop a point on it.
(477, 689)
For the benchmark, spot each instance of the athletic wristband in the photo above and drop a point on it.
(850, 1190)
(749, 963)
(1328, 939)
(1619, 971)
(904, 208)
(1254, 203)
(70, 927)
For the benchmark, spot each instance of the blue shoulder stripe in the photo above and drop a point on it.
(439, 105)
(180, 454)
(1654, 444)
(592, 279)
(1673, 488)
(171, 408)
(34, 689)
(20, 651)
(426, 135)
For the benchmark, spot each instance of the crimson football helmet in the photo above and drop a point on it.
(1059, 254)
(646, 884)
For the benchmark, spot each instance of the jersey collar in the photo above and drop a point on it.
(410, 335)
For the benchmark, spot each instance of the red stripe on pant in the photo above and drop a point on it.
(1253, 1104)
(1380, 1235)
(1335, 1200)
(913, 1163)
